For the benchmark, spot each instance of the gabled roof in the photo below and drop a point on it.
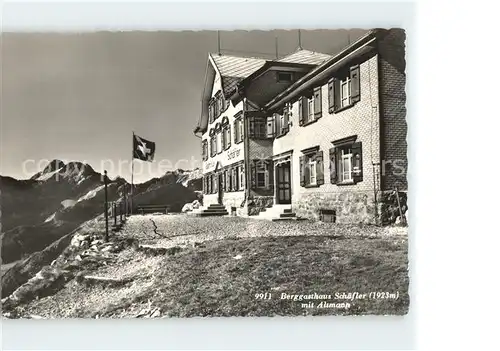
(239, 67)
(233, 69)
(306, 57)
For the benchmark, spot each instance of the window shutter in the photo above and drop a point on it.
(357, 159)
(331, 97)
(355, 86)
(253, 177)
(302, 171)
(277, 124)
(235, 130)
(333, 165)
(228, 136)
(270, 171)
(301, 111)
(320, 176)
(336, 94)
(317, 102)
(285, 119)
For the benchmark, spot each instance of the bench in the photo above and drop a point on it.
(142, 209)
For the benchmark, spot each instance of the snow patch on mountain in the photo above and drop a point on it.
(50, 218)
(68, 203)
(184, 177)
(92, 193)
(48, 175)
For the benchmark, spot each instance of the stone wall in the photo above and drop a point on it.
(259, 203)
(353, 207)
(349, 206)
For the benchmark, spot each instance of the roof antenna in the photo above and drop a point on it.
(300, 41)
(276, 45)
(218, 42)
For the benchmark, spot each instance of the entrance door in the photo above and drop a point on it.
(219, 188)
(283, 188)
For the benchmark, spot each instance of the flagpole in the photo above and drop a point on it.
(132, 180)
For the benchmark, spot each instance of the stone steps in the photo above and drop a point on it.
(211, 210)
(278, 213)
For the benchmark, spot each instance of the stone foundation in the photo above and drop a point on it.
(353, 207)
(258, 203)
(349, 207)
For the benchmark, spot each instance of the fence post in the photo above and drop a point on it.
(114, 212)
(121, 212)
(106, 238)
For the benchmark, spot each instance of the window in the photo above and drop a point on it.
(311, 168)
(310, 107)
(214, 183)
(345, 92)
(260, 173)
(219, 142)
(238, 130)
(310, 110)
(344, 89)
(204, 149)
(262, 176)
(234, 179)
(213, 146)
(211, 111)
(284, 77)
(226, 136)
(312, 171)
(258, 128)
(346, 166)
(241, 184)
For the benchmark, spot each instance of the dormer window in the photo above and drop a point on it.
(284, 77)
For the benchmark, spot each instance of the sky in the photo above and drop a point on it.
(79, 96)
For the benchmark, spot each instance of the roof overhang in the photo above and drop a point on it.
(359, 48)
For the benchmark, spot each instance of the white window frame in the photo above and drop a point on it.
(240, 129)
(345, 175)
(345, 100)
(312, 171)
(310, 109)
(262, 169)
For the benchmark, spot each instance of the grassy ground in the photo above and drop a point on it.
(213, 275)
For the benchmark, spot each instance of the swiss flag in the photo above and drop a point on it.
(143, 149)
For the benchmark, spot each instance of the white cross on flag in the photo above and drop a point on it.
(143, 149)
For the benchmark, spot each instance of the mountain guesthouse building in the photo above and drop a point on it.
(309, 135)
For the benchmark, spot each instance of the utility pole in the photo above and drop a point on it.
(218, 42)
(106, 238)
(276, 46)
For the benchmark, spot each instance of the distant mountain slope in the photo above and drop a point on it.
(40, 210)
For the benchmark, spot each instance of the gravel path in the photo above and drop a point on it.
(146, 272)
(180, 229)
